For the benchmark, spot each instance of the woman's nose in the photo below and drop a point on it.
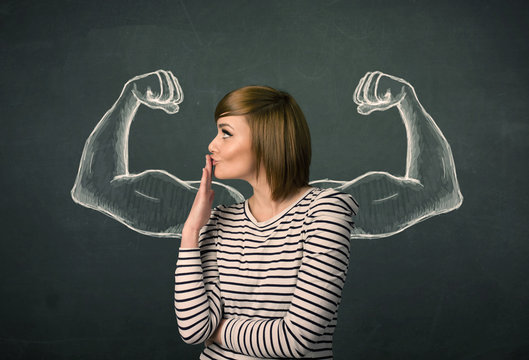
(211, 147)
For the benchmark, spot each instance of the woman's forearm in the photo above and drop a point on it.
(189, 238)
(198, 304)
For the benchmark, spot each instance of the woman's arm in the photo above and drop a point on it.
(197, 298)
(317, 294)
(429, 187)
(153, 202)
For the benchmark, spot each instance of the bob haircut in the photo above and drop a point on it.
(280, 135)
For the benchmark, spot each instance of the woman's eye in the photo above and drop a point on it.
(225, 134)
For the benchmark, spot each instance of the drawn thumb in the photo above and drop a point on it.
(365, 109)
(171, 108)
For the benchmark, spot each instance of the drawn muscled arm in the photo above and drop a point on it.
(152, 202)
(389, 203)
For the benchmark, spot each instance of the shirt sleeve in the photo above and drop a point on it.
(317, 295)
(197, 299)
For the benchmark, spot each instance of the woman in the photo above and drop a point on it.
(263, 278)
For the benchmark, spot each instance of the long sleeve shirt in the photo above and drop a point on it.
(278, 282)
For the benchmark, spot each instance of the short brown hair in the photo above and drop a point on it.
(280, 135)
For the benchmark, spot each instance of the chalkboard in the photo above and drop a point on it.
(78, 284)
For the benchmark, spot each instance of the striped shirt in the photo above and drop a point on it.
(278, 283)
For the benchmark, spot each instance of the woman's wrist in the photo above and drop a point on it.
(217, 335)
(189, 237)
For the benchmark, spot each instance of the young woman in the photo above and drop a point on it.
(263, 278)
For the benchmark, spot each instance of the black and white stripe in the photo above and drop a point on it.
(278, 283)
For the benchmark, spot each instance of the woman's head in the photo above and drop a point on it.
(280, 137)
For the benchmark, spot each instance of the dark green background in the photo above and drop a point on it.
(76, 284)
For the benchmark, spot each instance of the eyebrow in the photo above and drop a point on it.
(222, 125)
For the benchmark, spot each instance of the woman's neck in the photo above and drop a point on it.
(264, 207)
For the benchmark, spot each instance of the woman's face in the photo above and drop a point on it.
(231, 149)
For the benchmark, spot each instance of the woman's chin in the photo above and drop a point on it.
(221, 176)
(218, 174)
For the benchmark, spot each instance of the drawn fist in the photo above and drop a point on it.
(377, 91)
(157, 90)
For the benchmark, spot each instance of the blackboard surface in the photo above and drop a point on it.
(75, 284)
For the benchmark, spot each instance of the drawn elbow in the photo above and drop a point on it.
(453, 200)
(77, 194)
(73, 194)
(82, 196)
(449, 197)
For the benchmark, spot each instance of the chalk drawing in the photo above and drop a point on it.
(152, 202)
(156, 203)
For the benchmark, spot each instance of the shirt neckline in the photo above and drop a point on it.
(276, 217)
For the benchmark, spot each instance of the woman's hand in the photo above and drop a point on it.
(201, 209)
(157, 90)
(216, 337)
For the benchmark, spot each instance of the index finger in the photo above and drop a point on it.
(358, 90)
(177, 88)
(209, 170)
